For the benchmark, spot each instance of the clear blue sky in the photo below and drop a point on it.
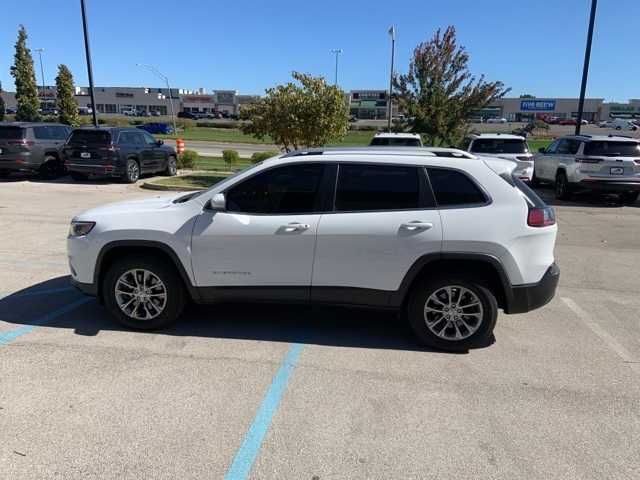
(533, 46)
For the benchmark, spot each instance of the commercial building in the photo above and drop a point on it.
(370, 104)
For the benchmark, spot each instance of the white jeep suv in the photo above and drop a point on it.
(609, 164)
(446, 240)
(509, 147)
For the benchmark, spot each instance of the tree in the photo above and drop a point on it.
(3, 107)
(25, 79)
(65, 101)
(439, 93)
(310, 114)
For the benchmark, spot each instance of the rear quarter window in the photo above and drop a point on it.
(612, 149)
(454, 188)
(11, 133)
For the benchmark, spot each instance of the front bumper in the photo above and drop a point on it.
(524, 298)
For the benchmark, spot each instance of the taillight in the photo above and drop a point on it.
(109, 148)
(637, 161)
(524, 157)
(541, 217)
(588, 160)
(25, 144)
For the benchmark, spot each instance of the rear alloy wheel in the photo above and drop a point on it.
(132, 171)
(143, 292)
(51, 168)
(453, 314)
(563, 189)
(172, 167)
(629, 198)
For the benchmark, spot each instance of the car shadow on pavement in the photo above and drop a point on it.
(319, 325)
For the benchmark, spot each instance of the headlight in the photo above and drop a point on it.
(78, 229)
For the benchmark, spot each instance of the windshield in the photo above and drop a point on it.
(499, 145)
(11, 133)
(395, 142)
(612, 149)
(90, 136)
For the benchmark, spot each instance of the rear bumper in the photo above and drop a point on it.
(18, 162)
(621, 185)
(524, 298)
(109, 170)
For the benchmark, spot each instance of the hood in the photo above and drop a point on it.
(131, 206)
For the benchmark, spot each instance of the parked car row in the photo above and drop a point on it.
(52, 150)
(206, 115)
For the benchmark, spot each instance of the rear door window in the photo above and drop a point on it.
(377, 187)
(452, 187)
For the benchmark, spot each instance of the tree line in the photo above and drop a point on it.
(438, 96)
(27, 98)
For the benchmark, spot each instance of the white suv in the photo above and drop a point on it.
(509, 147)
(446, 240)
(609, 164)
(385, 139)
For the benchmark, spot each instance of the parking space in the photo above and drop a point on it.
(314, 393)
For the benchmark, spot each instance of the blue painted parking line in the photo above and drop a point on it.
(11, 335)
(246, 455)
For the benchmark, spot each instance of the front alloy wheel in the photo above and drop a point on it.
(143, 292)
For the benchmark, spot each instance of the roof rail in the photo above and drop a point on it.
(379, 150)
(611, 135)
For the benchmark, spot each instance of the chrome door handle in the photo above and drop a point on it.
(416, 225)
(295, 227)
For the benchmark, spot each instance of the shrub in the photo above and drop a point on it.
(187, 159)
(261, 156)
(185, 123)
(230, 157)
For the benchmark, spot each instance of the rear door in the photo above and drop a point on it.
(146, 154)
(384, 219)
(544, 162)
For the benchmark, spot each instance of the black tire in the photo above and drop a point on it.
(5, 173)
(563, 188)
(175, 293)
(629, 198)
(51, 168)
(131, 171)
(172, 166)
(79, 177)
(483, 332)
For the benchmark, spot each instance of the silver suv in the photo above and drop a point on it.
(32, 147)
(609, 164)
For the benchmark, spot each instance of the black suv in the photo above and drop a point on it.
(124, 153)
(32, 147)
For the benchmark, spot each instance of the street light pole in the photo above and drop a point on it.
(40, 50)
(392, 32)
(337, 52)
(585, 69)
(89, 69)
(157, 72)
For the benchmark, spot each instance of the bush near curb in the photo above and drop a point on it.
(230, 157)
(261, 156)
(187, 159)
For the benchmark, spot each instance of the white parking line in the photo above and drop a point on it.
(622, 352)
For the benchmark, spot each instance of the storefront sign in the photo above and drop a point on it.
(537, 105)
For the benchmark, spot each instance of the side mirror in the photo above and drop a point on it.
(542, 150)
(217, 203)
(160, 142)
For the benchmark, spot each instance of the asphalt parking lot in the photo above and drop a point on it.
(301, 393)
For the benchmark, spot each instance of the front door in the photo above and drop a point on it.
(384, 220)
(263, 242)
(156, 154)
